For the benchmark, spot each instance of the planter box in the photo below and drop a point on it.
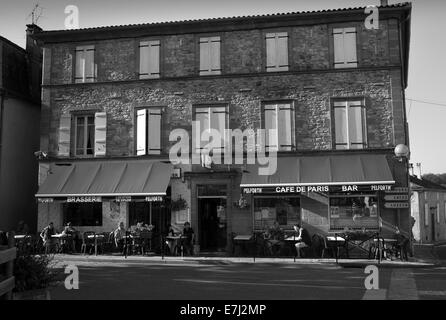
(39, 294)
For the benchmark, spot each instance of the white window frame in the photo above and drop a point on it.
(346, 104)
(148, 149)
(344, 62)
(150, 45)
(277, 65)
(210, 68)
(84, 148)
(83, 78)
(276, 107)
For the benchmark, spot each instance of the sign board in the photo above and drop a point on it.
(317, 188)
(398, 190)
(396, 205)
(45, 200)
(84, 199)
(396, 197)
(154, 198)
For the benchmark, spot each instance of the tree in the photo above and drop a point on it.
(435, 178)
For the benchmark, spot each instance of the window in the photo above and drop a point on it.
(210, 56)
(286, 210)
(85, 66)
(438, 212)
(345, 47)
(444, 212)
(426, 214)
(149, 59)
(84, 135)
(279, 126)
(148, 131)
(350, 128)
(276, 51)
(355, 212)
(212, 117)
(83, 214)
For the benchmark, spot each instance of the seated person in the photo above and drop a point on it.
(46, 235)
(70, 231)
(274, 238)
(188, 241)
(303, 239)
(170, 242)
(119, 235)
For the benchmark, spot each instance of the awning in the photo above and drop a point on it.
(322, 171)
(106, 179)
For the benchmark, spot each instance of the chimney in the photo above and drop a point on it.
(411, 170)
(418, 170)
(384, 3)
(34, 60)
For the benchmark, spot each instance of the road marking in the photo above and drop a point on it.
(375, 294)
(402, 285)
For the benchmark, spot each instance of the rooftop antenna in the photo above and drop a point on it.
(36, 13)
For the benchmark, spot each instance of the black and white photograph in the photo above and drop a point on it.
(217, 158)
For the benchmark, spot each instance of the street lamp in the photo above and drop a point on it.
(401, 151)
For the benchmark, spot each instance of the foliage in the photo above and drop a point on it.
(32, 272)
(178, 204)
(435, 178)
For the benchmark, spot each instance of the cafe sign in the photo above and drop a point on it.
(45, 200)
(316, 188)
(84, 199)
(154, 199)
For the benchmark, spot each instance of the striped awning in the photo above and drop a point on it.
(106, 179)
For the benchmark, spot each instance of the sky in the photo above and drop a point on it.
(427, 63)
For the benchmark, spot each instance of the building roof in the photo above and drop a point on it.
(233, 18)
(426, 184)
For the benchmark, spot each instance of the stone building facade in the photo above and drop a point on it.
(243, 85)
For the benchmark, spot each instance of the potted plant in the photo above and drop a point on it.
(178, 204)
(33, 276)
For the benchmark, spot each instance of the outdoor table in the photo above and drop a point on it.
(241, 240)
(20, 236)
(177, 240)
(95, 236)
(335, 238)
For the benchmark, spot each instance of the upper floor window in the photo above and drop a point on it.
(279, 126)
(90, 133)
(84, 128)
(276, 51)
(85, 66)
(349, 124)
(148, 131)
(210, 56)
(345, 47)
(149, 59)
(212, 117)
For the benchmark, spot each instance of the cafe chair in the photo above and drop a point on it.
(87, 243)
(329, 248)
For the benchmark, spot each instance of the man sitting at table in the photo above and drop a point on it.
(303, 239)
(46, 236)
(402, 244)
(274, 238)
(70, 232)
(188, 241)
(119, 235)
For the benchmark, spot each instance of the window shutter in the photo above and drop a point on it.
(154, 131)
(218, 122)
(205, 58)
(426, 214)
(270, 52)
(154, 59)
(89, 64)
(285, 127)
(80, 66)
(143, 59)
(202, 116)
(350, 47)
(215, 55)
(141, 117)
(271, 136)
(64, 135)
(100, 136)
(338, 44)
(341, 127)
(282, 51)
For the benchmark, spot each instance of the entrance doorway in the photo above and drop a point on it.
(212, 223)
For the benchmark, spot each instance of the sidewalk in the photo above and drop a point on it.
(101, 259)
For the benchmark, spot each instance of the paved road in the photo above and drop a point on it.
(233, 281)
